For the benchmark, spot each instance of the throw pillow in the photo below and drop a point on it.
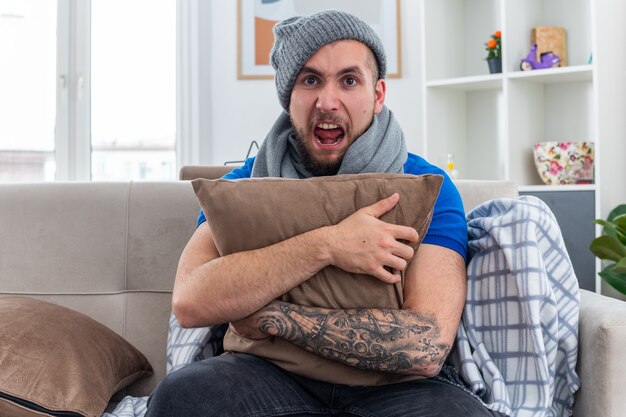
(57, 361)
(254, 213)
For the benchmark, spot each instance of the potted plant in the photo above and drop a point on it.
(611, 246)
(494, 52)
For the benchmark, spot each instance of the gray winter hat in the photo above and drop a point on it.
(296, 39)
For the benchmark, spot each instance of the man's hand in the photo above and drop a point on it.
(362, 243)
(256, 326)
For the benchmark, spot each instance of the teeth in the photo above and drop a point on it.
(327, 126)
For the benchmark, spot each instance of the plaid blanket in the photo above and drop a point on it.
(517, 342)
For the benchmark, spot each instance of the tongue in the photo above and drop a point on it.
(328, 136)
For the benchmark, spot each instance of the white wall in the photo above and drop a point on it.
(243, 110)
(611, 55)
(611, 59)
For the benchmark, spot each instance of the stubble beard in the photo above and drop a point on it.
(315, 167)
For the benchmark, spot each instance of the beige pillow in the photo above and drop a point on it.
(254, 213)
(54, 359)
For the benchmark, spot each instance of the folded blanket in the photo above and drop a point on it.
(517, 344)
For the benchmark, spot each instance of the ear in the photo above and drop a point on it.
(379, 95)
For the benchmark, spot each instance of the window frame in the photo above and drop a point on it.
(73, 128)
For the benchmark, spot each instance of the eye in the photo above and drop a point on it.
(309, 80)
(350, 81)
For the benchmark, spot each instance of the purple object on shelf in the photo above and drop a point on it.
(546, 60)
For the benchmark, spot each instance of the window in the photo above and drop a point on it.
(133, 89)
(88, 90)
(28, 84)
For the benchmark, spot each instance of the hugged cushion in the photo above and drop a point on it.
(54, 359)
(254, 213)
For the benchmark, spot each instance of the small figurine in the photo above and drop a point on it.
(547, 60)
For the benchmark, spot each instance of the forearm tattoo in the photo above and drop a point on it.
(373, 339)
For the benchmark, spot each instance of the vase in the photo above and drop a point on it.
(495, 65)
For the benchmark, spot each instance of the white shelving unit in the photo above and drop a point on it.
(491, 121)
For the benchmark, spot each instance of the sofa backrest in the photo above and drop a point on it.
(191, 172)
(110, 250)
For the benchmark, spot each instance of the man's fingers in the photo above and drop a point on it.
(383, 206)
(405, 233)
(396, 263)
(385, 276)
(403, 251)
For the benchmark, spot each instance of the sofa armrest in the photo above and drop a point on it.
(475, 192)
(601, 360)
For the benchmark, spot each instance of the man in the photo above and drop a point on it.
(330, 70)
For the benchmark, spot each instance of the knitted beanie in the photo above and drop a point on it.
(296, 39)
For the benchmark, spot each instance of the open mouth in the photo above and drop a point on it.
(328, 135)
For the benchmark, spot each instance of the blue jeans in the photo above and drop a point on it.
(244, 385)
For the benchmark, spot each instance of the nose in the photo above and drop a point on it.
(327, 100)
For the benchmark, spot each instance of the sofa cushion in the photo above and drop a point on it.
(54, 359)
(254, 213)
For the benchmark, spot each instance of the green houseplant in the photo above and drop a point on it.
(611, 246)
(494, 52)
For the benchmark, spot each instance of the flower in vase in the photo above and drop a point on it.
(494, 45)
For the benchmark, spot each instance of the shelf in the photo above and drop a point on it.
(494, 81)
(474, 83)
(546, 188)
(555, 75)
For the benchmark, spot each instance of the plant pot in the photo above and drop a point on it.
(495, 65)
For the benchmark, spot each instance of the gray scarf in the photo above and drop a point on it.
(380, 149)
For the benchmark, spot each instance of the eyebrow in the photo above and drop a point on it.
(348, 70)
(309, 70)
(352, 70)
